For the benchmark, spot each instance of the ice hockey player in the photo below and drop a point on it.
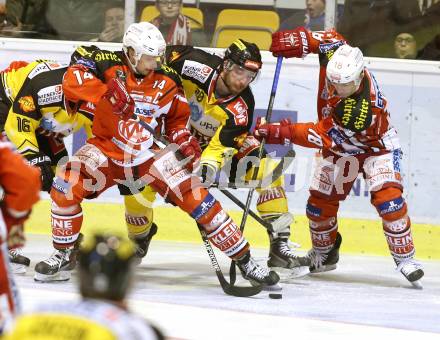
(19, 191)
(132, 90)
(35, 117)
(222, 108)
(356, 136)
(105, 276)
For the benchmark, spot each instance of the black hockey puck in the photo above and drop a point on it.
(276, 296)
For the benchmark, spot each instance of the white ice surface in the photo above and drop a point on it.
(175, 287)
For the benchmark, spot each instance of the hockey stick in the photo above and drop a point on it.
(271, 177)
(227, 288)
(232, 272)
(257, 218)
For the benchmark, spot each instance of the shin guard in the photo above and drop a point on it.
(222, 232)
(66, 225)
(399, 238)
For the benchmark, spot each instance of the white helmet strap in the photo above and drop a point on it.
(136, 56)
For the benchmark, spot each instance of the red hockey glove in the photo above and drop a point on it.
(119, 98)
(274, 133)
(291, 43)
(188, 145)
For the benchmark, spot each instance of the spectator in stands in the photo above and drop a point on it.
(372, 25)
(173, 25)
(114, 19)
(2, 12)
(312, 17)
(405, 46)
(76, 19)
(431, 51)
(24, 18)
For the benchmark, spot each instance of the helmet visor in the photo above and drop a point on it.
(241, 73)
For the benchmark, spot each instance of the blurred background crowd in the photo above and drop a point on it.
(407, 29)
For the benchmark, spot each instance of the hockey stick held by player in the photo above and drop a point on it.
(355, 135)
(222, 107)
(124, 150)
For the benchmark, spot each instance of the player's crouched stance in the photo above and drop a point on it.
(123, 149)
(356, 136)
(105, 277)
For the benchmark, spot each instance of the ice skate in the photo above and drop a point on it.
(19, 262)
(284, 260)
(412, 270)
(281, 257)
(324, 262)
(57, 267)
(143, 243)
(257, 275)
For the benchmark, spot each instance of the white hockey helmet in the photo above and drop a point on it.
(346, 65)
(143, 38)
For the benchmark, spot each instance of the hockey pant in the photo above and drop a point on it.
(331, 183)
(90, 173)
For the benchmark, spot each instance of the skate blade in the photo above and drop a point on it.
(60, 276)
(18, 268)
(417, 284)
(273, 288)
(287, 274)
(323, 269)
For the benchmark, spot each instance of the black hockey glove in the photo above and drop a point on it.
(43, 162)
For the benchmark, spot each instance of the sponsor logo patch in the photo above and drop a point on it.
(313, 211)
(391, 206)
(49, 95)
(336, 136)
(203, 208)
(26, 104)
(196, 70)
(61, 185)
(324, 48)
(239, 109)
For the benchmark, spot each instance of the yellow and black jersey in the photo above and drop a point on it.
(87, 320)
(220, 124)
(37, 106)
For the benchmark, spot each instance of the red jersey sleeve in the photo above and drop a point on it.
(316, 38)
(81, 84)
(312, 135)
(20, 181)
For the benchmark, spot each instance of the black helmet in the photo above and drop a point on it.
(105, 267)
(244, 54)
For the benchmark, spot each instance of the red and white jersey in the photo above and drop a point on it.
(369, 101)
(159, 101)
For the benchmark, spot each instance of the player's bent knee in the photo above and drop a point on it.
(321, 209)
(390, 204)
